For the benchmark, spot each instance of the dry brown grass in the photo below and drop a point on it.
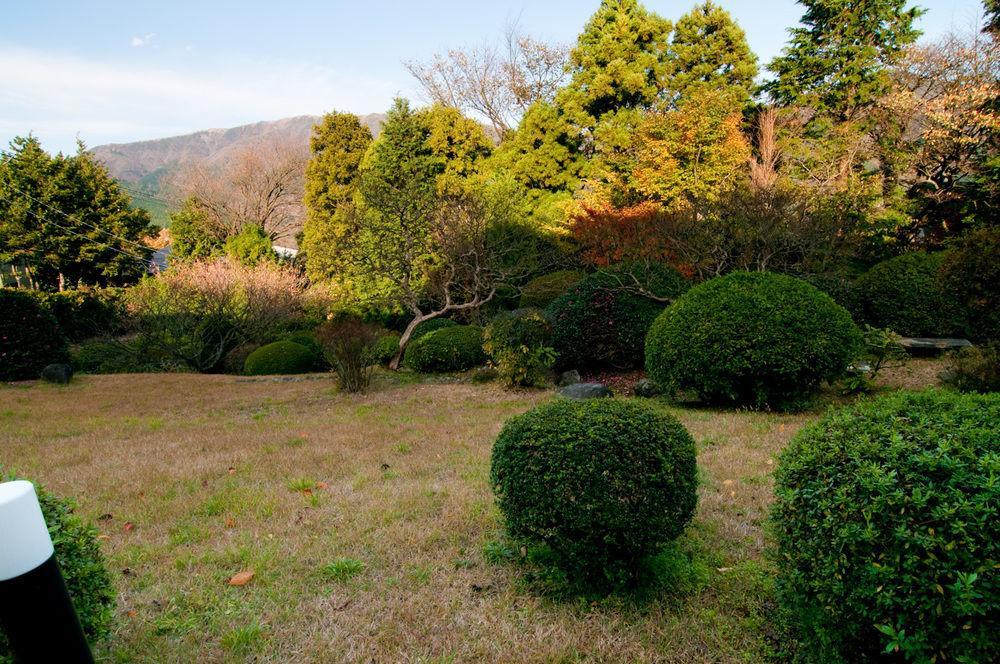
(211, 472)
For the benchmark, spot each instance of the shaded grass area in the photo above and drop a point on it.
(369, 524)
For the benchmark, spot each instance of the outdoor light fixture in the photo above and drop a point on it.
(36, 613)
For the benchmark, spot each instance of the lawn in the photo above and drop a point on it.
(369, 525)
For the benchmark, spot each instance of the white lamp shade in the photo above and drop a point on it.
(24, 538)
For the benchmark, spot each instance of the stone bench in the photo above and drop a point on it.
(928, 347)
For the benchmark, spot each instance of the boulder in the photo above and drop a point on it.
(57, 373)
(569, 378)
(645, 388)
(586, 391)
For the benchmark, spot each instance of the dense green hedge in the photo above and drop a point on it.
(540, 291)
(78, 553)
(452, 348)
(86, 313)
(604, 483)
(30, 338)
(888, 532)
(970, 274)
(756, 339)
(429, 326)
(280, 357)
(906, 295)
(518, 345)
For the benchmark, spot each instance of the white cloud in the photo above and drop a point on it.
(139, 42)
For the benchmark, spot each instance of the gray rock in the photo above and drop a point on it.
(586, 391)
(926, 346)
(57, 373)
(645, 388)
(569, 378)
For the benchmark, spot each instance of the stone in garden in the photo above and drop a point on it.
(57, 373)
(645, 388)
(586, 391)
(569, 378)
(926, 346)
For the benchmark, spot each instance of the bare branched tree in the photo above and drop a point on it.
(496, 81)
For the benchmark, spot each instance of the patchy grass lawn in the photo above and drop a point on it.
(365, 519)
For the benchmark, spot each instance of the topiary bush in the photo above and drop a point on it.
(603, 483)
(887, 531)
(307, 339)
(602, 321)
(906, 295)
(280, 357)
(518, 345)
(429, 326)
(452, 348)
(970, 274)
(30, 338)
(751, 339)
(540, 291)
(78, 553)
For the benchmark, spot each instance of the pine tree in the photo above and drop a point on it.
(543, 153)
(838, 62)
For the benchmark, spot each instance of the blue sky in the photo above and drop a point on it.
(110, 71)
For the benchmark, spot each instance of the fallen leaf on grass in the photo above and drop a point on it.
(230, 523)
(241, 578)
(322, 485)
(128, 527)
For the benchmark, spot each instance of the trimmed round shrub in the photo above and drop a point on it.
(906, 295)
(518, 345)
(970, 273)
(30, 338)
(603, 483)
(602, 321)
(280, 357)
(78, 553)
(308, 340)
(888, 537)
(540, 291)
(429, 326)
(386, 347)
(452, 348)
(751, 338)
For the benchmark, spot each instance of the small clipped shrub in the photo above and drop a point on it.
(753, 339)
(905, 294)
(540, 291)
(386, 347)
(280, 357)
(78, 553)
(603, 483)
(429, 326)
(887, 530)
(451, 348)
(308, 340)
(349, 347)
(975, 369)
(30, 338)
(518, 345)
(970, 273)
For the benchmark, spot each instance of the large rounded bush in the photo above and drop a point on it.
(431, 325)
(887, 529)
(970, 274)
(540, 291)
(453, 348)
(518, 344)
(386, 347)
(604, 483)
(78, 553)
(30, 338)
(307, 339)
(602, 321)
(280, 357)
(906, 295)
(756, 339)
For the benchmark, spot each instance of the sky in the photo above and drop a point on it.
(106, 71)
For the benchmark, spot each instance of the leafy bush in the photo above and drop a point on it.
(86, 313)
(540, 291)
(236, 359)
(882, 349)
(975, 369)
(970, 272)
(905, 294)
(196, 313)
(603, 483)
(429, 326)
(386, 347)
(887, 529)
(349, 346)
(111, 356)
(30, 338)
(452, 348)
(517, 344)
(602, 321)
(308, 340)
(78, 553)
(751, 338)
(280, 357)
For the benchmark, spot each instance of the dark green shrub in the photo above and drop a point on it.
(887, 531)
(518, 345)
(30, 338)
(540, 291)
(78, 553)
(112, 356)
(756, 339)
(236, 359)
(280, 357)
(603, 483)
(602, 321)
(386, 347)
(349, 346)
(905, 294)
(307, 339)
(429, 326)
(970, 273)
(452, 348)
(83, 314)
(975, 369)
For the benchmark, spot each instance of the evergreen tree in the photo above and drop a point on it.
(191, 234)
(992, 17)
(710, 48)
(543, 153)
(458, 144)
(838, 62)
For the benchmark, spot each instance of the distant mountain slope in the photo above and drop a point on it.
(146, 168)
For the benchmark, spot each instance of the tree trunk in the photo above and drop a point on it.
(405, 339)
